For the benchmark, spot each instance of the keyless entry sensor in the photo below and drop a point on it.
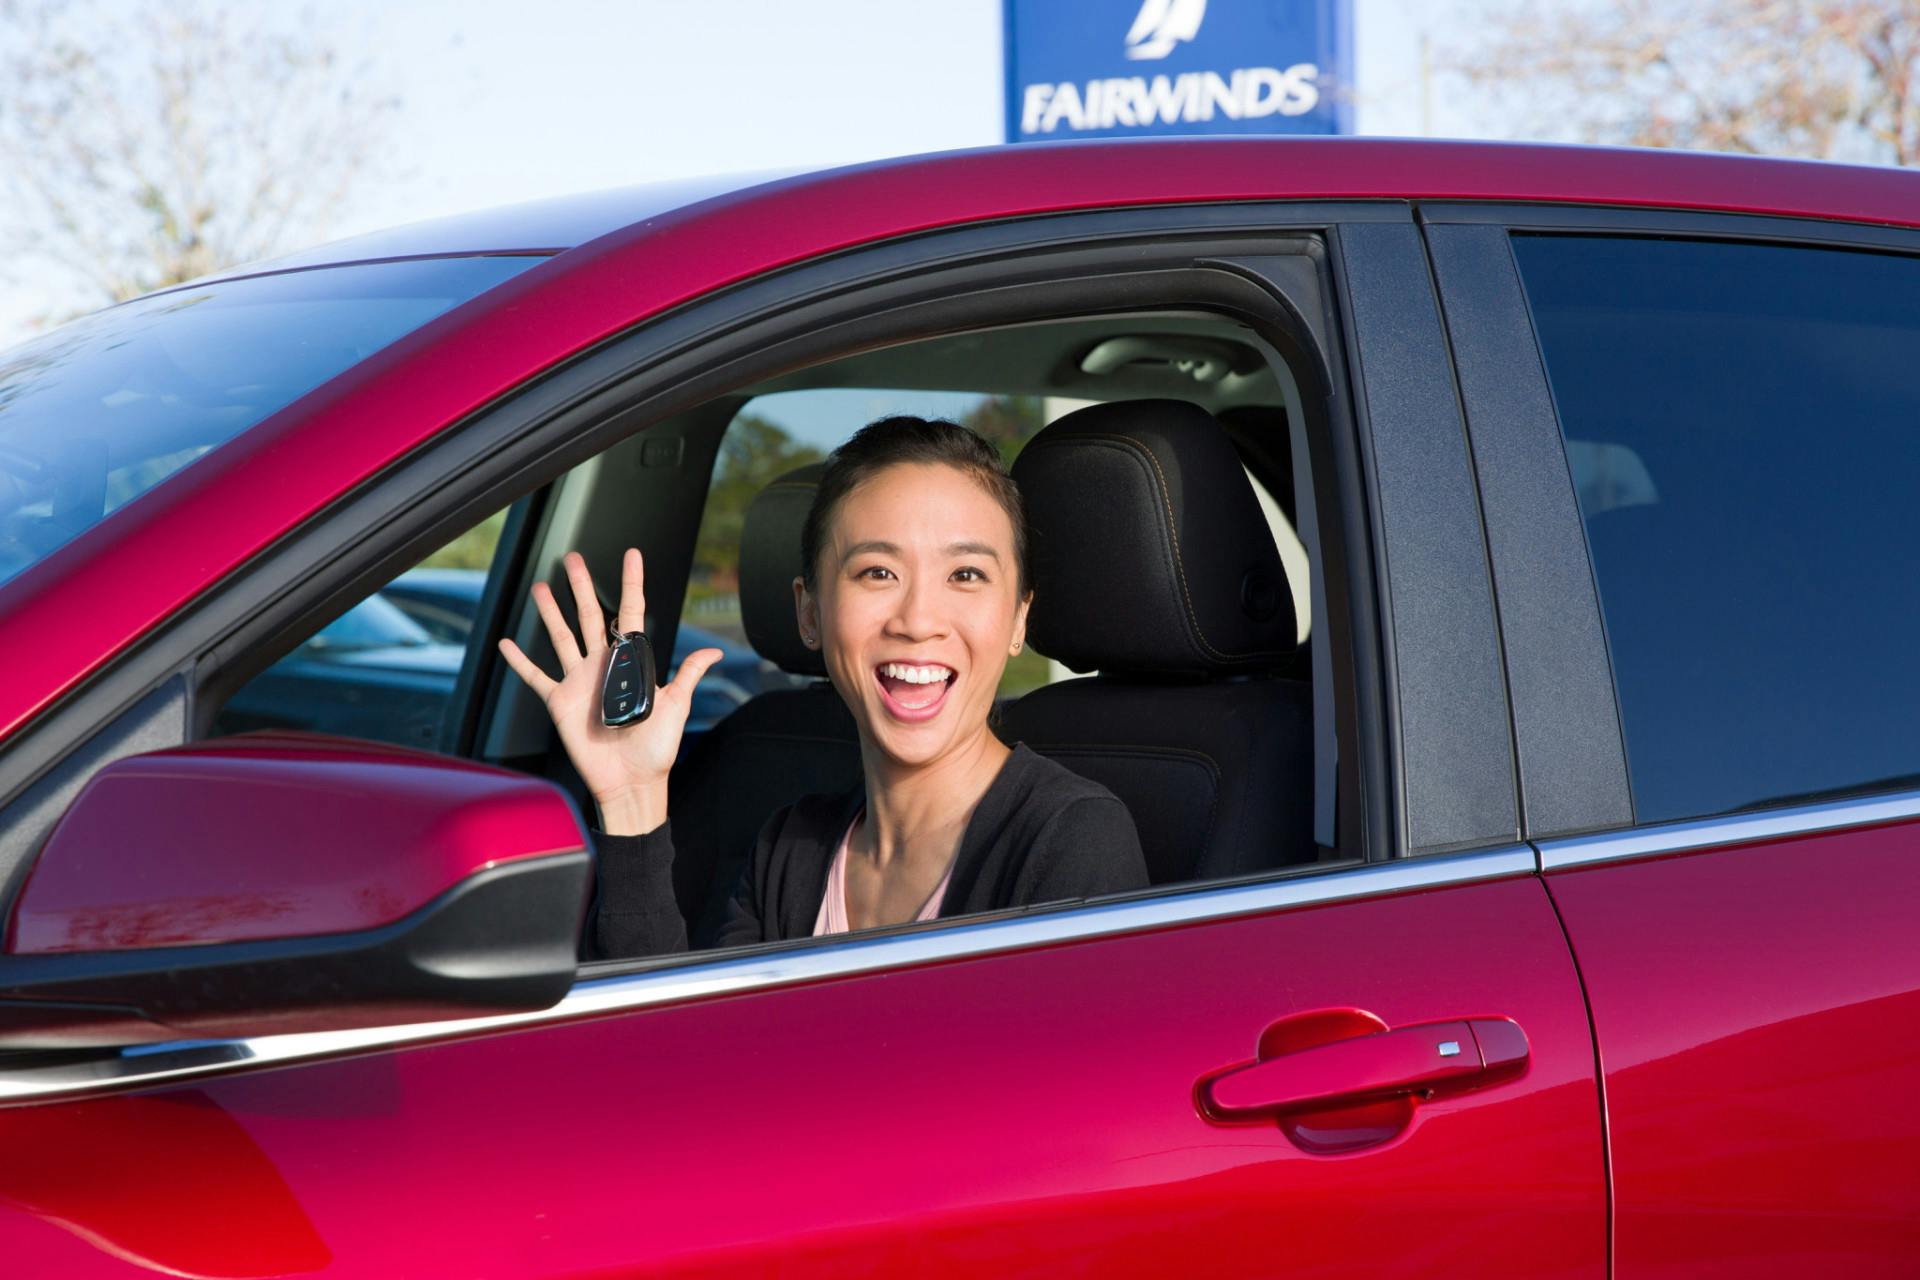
(626, 696)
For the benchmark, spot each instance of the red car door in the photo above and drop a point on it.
(1020, 1113)
(1382, 1066)
(1745, 929)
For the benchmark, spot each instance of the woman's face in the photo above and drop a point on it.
(918, 608)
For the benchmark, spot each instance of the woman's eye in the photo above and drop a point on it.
(874, 571)
(967, 573)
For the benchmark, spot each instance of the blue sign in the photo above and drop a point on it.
(1130, 68)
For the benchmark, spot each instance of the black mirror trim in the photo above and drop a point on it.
(504, 940)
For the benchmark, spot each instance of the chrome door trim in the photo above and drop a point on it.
(1744, 828)
(672, 981)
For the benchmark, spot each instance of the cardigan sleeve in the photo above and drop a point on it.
(634, 909)
(1088, 848)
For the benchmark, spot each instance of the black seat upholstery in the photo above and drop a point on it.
(1153, 565)
(779, 746)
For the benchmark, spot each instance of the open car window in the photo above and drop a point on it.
(391, 667)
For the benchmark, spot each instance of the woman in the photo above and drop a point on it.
(914, 587)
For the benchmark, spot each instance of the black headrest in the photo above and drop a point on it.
(1149, 549)
(769, 562)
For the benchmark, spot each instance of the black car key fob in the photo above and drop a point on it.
(626, 695)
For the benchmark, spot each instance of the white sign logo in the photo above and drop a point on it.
(1161, 24)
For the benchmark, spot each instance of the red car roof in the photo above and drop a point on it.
(634, 254)
(1283, 168)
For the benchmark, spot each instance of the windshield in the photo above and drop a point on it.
(99, 411)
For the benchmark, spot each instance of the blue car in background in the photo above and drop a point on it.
(386, 668)
(444, 602)
(373, 672)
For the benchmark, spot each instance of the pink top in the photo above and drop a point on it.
(833, 907)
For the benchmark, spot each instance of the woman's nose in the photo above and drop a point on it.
(918, 615)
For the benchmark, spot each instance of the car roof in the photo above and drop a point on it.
(1301, 168)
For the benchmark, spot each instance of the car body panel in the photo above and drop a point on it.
(893, 1123)
(1758, 1007)
(158, 553)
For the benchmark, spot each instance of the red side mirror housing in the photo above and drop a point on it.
(292, 882)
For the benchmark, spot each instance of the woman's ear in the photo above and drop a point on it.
(1020, 623)
(806, 613)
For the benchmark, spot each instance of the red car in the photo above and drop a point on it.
(1544, 905)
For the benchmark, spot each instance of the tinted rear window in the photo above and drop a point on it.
(99, 411)
(1743, 426)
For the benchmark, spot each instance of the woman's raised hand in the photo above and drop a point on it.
(625, 769)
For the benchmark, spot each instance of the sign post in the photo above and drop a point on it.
(1135, 68)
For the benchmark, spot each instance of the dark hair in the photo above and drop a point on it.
(889, 442)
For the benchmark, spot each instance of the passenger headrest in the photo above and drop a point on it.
(769, 562)
(1149, 549)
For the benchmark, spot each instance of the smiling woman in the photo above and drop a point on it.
(914, 588)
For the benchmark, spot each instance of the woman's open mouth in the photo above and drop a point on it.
(913, 691)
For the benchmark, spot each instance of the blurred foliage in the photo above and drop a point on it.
(143, 145)
(472, 549)
(1026, 671)
(1007, 422)
(1821, 79)
(752, 455)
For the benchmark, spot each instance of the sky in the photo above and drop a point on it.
(503, 101)
(606, 93)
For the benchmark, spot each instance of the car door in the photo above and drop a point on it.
(1378, 1064)
(1699, 502)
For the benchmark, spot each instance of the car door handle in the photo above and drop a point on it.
(1427, 1059)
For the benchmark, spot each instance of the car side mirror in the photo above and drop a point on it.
(284, 882)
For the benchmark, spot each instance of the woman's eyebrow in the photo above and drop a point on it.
(860, 548)
(893, 549)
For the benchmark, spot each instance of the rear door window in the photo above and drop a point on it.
(1742, 425)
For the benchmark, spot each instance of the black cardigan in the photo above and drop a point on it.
(1041, 833)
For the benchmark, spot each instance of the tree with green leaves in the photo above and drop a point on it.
(753, 454)
(1006, 422)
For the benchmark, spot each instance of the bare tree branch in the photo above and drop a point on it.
(144, 146)
(1830, 79)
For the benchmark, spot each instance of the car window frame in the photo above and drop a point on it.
(1576, 798)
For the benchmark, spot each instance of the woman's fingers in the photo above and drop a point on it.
(593, 623)
(633, 595)
(539, 681)
(692, 667)
(558, 631)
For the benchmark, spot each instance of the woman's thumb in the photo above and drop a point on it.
(694, 666)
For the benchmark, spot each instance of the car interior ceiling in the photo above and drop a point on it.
(1193, 741)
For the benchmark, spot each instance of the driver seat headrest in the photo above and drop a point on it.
(1150, 552)
(769, 562)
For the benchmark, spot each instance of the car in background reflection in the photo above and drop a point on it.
(386, 668)
(444, 603)
(373, 672)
